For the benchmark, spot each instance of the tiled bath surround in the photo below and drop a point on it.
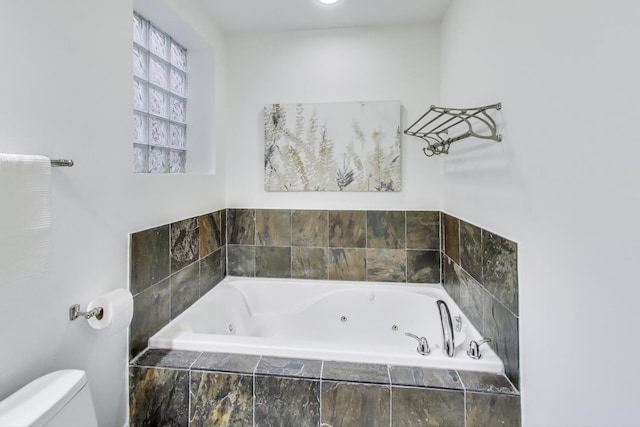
(171, 266)
(182, 388)
(388, 246)
(481, 275)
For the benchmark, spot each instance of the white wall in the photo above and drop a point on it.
(563, 184)
(363, 64)
(66, 93)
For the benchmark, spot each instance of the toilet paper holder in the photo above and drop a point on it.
(74, 312)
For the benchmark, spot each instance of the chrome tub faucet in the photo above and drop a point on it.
(448, 343)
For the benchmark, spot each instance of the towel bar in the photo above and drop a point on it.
(61, 162)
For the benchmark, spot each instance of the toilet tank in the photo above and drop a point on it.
(61, 398)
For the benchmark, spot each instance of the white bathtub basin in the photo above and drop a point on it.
(347, 321)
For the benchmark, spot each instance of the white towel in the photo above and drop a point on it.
(25, 216)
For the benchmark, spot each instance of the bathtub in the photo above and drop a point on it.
(318, 319)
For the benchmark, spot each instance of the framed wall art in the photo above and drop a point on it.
(347, 146)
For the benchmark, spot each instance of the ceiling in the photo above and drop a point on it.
(285, 15)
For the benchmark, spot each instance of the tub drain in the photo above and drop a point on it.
(394, 328)
(230, 328)
(343, 319)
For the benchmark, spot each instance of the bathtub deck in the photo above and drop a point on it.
(184, 387)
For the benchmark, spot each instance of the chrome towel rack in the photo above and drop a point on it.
(435, 125)
(61, 162)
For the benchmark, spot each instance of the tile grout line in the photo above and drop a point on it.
(320, 397)
(366, 245)
(390, 397)
(253, 377)
(441, 244)
(406, 254)
(328, 250)
(189, 419)
(464, 409)
(464, 396)
(253, 397)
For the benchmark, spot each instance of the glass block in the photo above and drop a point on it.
(159, 134)
(177, 161)
(178, 109)
(178, 56)
(158, 72)
(159, 43)
(157, 102)
(178, 136)
(139, 95)
(178, 82)
(140, 161)
(140, 61)
(140, 30)
(158, 160)
(140, 128)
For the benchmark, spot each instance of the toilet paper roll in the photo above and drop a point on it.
(117, 309)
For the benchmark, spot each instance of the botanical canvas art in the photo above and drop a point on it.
(352, 146)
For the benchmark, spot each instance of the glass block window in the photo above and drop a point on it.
(159, 100)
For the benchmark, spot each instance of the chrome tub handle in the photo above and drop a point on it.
(423, 344)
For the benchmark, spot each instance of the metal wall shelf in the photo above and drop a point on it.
(435, 126)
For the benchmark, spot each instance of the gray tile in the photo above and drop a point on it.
(176, 359)
(273, 261)
(241, 260)
(471, 300)
(345, 404)
(416, 407)
(423, 230)
(227, 362)
(149, 258)
(219, 399)
(273, 227)
(450, 279)
(285, 367)
(347, 229)
(386, 265)
(500, 269)
(423, 266)
(151, 312)
(492, 410)
(286, 402)
(185, 243)
(471, 249)
(486, 382)
(425, 377)
(466, 292)
(309, 263)
(452, 237)
(210, 271)
(347, 264)
(185, 288)
(502, 327)
(210, 233)
(355, 372)
(310, 228)
(158, 397)
(223, 226)
(223, 261)
(241, 226)
(386, 229)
